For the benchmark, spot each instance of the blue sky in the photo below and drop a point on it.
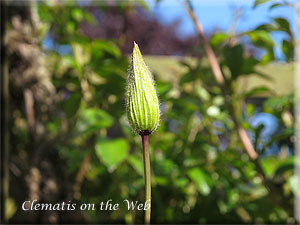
(219, 14)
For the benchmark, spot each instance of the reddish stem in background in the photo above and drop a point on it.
(248, 146)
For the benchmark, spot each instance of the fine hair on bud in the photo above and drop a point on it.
(142, 103)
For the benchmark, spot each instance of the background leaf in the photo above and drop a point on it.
(93, 119)
(111, 152)
(201, 179)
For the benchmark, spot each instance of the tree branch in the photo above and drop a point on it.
(248, 146)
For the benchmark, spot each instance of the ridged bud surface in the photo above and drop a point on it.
(142, 104)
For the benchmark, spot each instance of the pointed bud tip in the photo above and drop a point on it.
(136, 50)
(142, 104)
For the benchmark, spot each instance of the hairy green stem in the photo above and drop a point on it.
(147, 172)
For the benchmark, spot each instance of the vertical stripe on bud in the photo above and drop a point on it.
(142, 103)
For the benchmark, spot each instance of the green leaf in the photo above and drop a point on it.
(270, 165)
(90, 18)
(259, 2)
(165, 167)
(77, 14)
(266, 27)
(294, 183)
(159, 180)
(81, 54)
(257, 91)
(143, 4)
(72, 104)
(261, 38)
(44, 12)
(111, 152)
(106, 46)
(276, 5)
(237, 63)
(282, 24)
(163, 87)
(286, 165)
(278, 102)
(93, 119)
(249, 65)
(188, 77)
(285, 134)
(202, 93)
(181, 182)
(218, 39)
(201, 179)
(268, 57)
(10, 207)
(288, 50)
(137, 164)
(234, 59)
(250, 109)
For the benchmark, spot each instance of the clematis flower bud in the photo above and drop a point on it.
(142, 104)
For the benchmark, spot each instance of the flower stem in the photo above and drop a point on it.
(145, 140)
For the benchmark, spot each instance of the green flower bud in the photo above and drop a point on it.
(142, 104)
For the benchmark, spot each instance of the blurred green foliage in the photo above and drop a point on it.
(200, 173)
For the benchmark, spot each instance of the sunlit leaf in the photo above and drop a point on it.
(294, 182)
(218, 38)
(77, 14)
(93, 119)
(10, 208)
(112, 152)
(269, 165)
(201, 179)
(261, 38)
